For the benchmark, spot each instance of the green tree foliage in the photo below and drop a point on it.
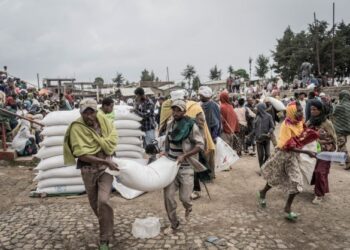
(119, 79)
(188, 73)
(295, 48)
(215, 73)
(196, 83)
(242, 73)
(147, 76)
(99, 81)
(230, 70)
(262, 66)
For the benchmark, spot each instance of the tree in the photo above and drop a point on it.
(99, 81)
(262, 66)
(196, 83)
(146, 76)
(242, 73)
(215, 74)
(188, 74)
(118, 80)
(230, 70)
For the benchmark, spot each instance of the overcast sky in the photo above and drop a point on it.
(85, 38)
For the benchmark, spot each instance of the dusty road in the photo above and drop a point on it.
(232, 214)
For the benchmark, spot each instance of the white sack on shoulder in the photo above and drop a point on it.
(147, 178)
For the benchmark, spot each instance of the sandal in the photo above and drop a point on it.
(292, 216)
(261, 201)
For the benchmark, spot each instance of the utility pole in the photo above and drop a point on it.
(317, 45)
(167, 74)
(333, 28)
(37, 77)
(250, 68)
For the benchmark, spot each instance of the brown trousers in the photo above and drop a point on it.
(184, 183)
(98, 185)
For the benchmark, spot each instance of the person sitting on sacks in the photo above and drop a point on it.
(182, 144)
(92, 139)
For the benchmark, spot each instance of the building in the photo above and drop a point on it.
(129, 92)
(216, 85)
(166, 89)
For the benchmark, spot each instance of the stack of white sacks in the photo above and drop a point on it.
(56, 178)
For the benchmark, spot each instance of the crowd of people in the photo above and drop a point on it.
(191, 128)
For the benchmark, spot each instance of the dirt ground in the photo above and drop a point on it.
(326, 226)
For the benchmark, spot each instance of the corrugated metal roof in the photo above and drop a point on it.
(214, 82)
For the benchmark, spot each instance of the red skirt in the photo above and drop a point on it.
(320, 177)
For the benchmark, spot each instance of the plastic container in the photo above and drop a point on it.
(332, 156)
(146, 228)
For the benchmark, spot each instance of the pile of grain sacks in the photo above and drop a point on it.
(54, 177)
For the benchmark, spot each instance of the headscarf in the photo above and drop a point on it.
(178, 94)
(341, 115)
(261, 108)
(205, 91)
(291, 127)
(230, 122)
(318, 120)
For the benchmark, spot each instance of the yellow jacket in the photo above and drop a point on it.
(194, 110)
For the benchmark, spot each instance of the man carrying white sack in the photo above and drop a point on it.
(93, 139)
(182, 144)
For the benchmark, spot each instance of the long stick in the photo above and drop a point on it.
(22, 117)
(206, 189)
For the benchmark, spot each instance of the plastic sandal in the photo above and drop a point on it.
(292, 216)
(261, 202)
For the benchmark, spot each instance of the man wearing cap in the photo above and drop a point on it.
(92, 139)
(182, 144)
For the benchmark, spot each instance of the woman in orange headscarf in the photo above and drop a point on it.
(283, 169)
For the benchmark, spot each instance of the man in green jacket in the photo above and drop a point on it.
(92, 139)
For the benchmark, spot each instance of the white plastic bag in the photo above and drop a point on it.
(146, 228)
(147, 178)
(225, 156)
